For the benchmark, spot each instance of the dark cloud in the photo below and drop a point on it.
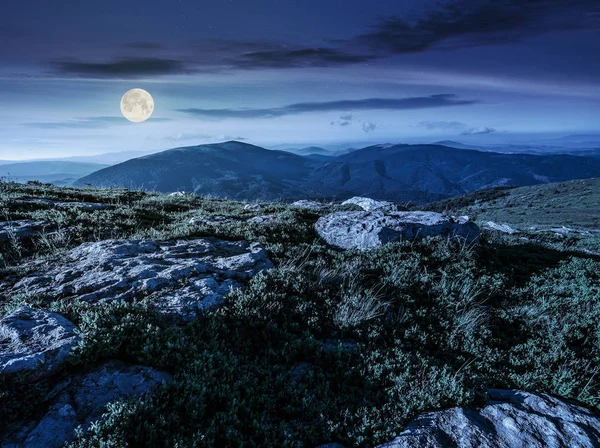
(346, 117)
(478, 130)
(345, 123)
(367, 126)
(440, 100)
(123, 68)
(85, 123)
(144, 45)
(443, 125)
(461, 23)
(296, 58)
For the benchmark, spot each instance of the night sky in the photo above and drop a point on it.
(298, 72)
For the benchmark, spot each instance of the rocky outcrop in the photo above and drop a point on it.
(253, 207)
(367, 230)
(81, 401)
(25, 228)
(368, 204)
(210, 220)
(34, 341)
(511, 419)
(177, 277)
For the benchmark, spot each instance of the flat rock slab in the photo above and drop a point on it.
(177, 277)
(511, 419)
(267, 220)
(210, 220)
(25, 228)
(367, 230)
(34, 341)
(308, 204)
(368, 204)
(81, 401)
(89, 206)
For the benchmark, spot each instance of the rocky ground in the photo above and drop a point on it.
(136, 319)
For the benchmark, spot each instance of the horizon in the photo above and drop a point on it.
(272, 73)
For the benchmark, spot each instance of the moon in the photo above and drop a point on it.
(137, 105)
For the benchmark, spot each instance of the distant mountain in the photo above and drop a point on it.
(232, 169)
(309, 150)
(58, 173)
(417, 173)
(591, 150)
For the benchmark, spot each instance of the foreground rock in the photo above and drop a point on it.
(267, 220)
(210, 220)
(81, 401)
(511, 419)
(368, 204)
(367, 230)
(177, 277)
(25, 228)
(34, 341)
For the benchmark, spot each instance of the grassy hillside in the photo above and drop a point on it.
(330, 345)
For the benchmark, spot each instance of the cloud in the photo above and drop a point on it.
(346, 117)
(460, 23)
(85, 123)
(442, 125)
(123, 68)
(478, 130)
(297, 58)
(345, 123)
(367, 126)
(433, 101)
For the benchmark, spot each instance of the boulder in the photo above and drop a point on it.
(504, 228)
(81, 401)
(34, 341)
(25, 228)
(177, 277)
(511, 419)
(367, 230)
(368, 204)
(177, 194)
(253, 207)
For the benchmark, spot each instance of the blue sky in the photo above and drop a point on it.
(280, 71)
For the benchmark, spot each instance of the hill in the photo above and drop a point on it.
(293, 342)
(417, 173)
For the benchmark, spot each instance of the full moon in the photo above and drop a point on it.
(137, 105)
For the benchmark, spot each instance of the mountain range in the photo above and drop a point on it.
(417, 173)
(55, 172)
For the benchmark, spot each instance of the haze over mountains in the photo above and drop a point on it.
(416, 173)
(55, 172)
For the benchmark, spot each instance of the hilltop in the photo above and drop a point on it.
(290, 341)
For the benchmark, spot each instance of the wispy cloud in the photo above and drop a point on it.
(367, 126)
(122, 68)
(433, 101)
(461, 23)
(144, 45)
(442, 125)
(478, 130)
(85, 123)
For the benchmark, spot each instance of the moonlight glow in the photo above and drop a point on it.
(137, 105)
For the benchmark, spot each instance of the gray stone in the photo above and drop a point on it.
(210, 220)
(368, 204)
(566, 231)
(267, 220)
(253, 207)
(511, 419)
(82, 401)
(177, 277)
(177, 194)
(504, 228)
(35, 341)
(25, 228)
(367, 230)
(308, 204)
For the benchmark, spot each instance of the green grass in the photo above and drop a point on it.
(329, 345)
